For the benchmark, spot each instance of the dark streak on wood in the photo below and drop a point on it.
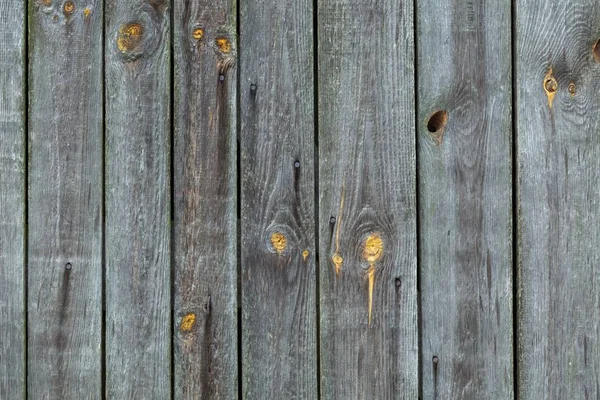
(138, 223)
(65, 201)
(205, 230)
(558, 176)
(367, 182)
(12, 200)
(277, 128)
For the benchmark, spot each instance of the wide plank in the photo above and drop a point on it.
(65, 200)
(279, 337)
(367, 200)
(465, 198)
(558, 153)
(12, 199)
(205, 187)
(138, 189)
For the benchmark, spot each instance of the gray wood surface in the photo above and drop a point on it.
(205, 187)
(279, 337)
(138, 186)
(465, 198)
(12, 199)
(367, 207)
(558, 176)
(65, 200)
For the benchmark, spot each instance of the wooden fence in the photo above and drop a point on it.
(298, 199)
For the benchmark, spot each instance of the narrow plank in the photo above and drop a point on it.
(558, 154)
(65, 200)
(277, 200)
(205, 183)
(465, 199)
(12, 200)
(367, 222)
(138, 225)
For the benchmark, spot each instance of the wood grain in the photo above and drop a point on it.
(65, 200)
(205, 230)
(12, 200)
(465, 199)
(367, 207)
(277, 205)
(558, 177)
(138, 225)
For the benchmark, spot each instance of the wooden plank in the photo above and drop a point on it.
(138, 225)
(558, 71)
(465, 198)
(12, 200)
(65, 200)
(368, 297)
(205, 231)
(277, 187)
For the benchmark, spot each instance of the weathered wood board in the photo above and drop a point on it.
(65, 200)
(138, 188)
(12, 200)
(205, 187)
(279, 337)
(464, 129)
(367, 207)
(558, 81)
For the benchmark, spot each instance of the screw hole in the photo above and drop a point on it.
(296, 164)
(398, 282)
(437, 121)
(435, 359)
(253, 87)
(68, 266)
(332, 220)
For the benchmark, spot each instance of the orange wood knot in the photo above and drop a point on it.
(373, 249)
(223, 44)
(68, 8)
(550, 87)
(596, 51)
(87, 11)
(187, 323)
(198, 33)
(305, 254)
(278, 241)
(130, 35)
(337, 261)
(47, 3)
(572, 89)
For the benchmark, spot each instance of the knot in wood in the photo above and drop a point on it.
(305, 254)
(338, 260)
(373, 249)
(130, 36)
(550, 87)
(68, 8)
(278, 241)
(198, 34)
(223, 44)
(187, 323)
